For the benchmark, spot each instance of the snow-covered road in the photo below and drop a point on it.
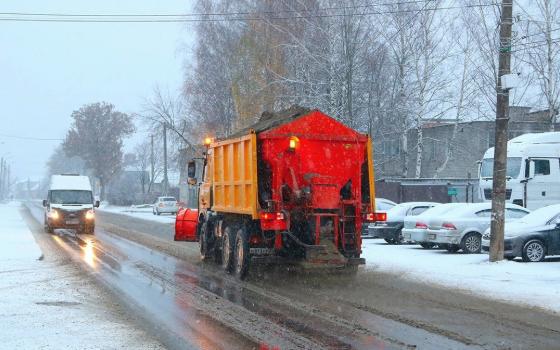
(534, 284)
(46, 302)
(143, 212)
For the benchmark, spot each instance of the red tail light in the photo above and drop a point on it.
(374, 217)
(273, 221)
(448, 226)
(421, 225)
(272, 216)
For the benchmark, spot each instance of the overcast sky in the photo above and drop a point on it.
(47, 70)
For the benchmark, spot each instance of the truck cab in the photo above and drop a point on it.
(532, 174)
(70, 204)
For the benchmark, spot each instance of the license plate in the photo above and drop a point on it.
(406, 236)
(72, 222)
(431, 236)
(261, 251)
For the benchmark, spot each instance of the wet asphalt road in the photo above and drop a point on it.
(195, 305)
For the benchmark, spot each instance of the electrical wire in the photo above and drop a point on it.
(99, 18)
(29, 138)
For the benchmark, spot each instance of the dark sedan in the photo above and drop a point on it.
(533, 237)
(391, 230)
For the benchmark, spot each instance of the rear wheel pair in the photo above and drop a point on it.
(235, 252)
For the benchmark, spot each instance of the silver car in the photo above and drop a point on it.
(391, 230)
(462, 228)
(165, 205)
(416, 227)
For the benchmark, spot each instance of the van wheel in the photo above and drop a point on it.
(471, 243)
(242, 256)
(228, 243)
(534, 251)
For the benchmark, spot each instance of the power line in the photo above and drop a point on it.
(213, 13)
(29, 138)
(180, 18)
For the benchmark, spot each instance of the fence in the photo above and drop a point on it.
(431, 190)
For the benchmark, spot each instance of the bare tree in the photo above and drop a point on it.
(542, 53)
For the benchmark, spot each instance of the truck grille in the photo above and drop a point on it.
(488, 193)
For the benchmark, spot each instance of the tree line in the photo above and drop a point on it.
(381, 67)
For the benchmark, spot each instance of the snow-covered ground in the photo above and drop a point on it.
(142, 212)
(534, 284)
(47, 303)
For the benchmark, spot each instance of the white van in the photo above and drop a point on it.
(70, 204)
(533, 171)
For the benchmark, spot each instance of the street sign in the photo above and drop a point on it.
(451, 191)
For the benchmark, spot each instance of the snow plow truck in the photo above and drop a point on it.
(296, 187)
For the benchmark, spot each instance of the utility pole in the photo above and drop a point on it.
(500, 149)
(165, 178)
(152, 161)
(2, 178)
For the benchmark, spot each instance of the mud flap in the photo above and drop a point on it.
(186, 225)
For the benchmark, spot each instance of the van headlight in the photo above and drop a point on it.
(53, 214)
(90, 215)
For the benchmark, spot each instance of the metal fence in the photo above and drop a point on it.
(432, 190)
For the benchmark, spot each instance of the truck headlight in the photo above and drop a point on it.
(53, 214)
(90, 215)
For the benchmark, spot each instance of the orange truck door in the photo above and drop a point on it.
(185, 225)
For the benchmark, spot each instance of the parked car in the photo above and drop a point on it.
(416, 227)
(462, 228)
(391, 230)
(165, 205)
(381, 204)
(533, 237)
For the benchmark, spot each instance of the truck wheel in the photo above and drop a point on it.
(228, 242)
(205, 251)
(242, 257)
(472, 243)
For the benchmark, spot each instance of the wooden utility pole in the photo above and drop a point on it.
(152, 162)
(165, 178)
(500, 149)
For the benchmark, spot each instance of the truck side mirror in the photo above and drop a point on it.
(45, 203)
(96, 204)
(191, 172)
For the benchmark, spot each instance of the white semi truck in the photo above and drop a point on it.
(533, 171)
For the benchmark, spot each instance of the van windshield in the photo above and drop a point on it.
(513, 167)
(71, 197)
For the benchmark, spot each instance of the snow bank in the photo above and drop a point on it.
(534, 284)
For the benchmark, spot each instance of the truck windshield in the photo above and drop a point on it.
(71, 197)
(513, 167)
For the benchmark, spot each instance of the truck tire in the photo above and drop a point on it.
(205, 249)
(228, 244)
(242, 256)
